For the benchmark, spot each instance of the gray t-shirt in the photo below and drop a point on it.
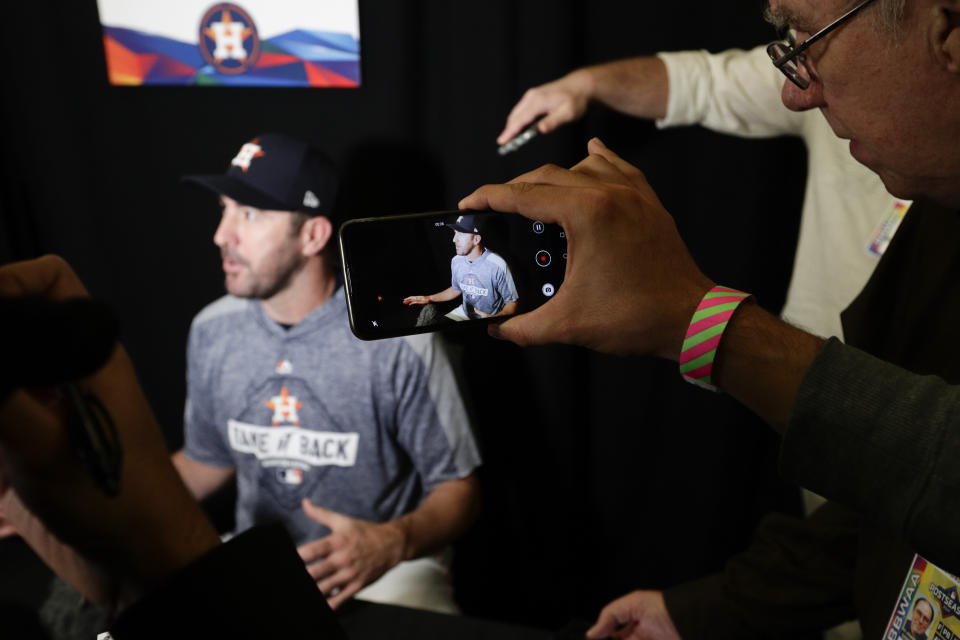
(486, 283)
(363, 428)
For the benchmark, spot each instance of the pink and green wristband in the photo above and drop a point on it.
(703, 335)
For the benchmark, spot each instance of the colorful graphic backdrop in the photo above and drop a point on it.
(274, 43)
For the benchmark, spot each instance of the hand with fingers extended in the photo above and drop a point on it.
(559, 102)
(630, 286)
(354, 554)
(637, 87)
(641, 615)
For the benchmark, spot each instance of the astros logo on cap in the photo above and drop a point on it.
(228, 39)
(247, 153)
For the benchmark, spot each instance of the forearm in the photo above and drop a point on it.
(441, 518)
(443, 296)
(849, 416)
(201, 479)
(635, 86)
(796, 576)
(761, 362)
(508, 309)
(863, 428)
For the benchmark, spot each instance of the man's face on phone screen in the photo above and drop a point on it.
(464, 242)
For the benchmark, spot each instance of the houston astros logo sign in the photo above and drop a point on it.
(229, 40)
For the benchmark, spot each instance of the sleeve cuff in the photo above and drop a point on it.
(682, 70)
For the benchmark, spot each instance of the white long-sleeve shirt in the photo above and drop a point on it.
(845, 204)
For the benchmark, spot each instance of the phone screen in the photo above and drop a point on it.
(432, 271)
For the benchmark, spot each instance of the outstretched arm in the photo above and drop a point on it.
(443, 296)
(357, 552)
(634, 86)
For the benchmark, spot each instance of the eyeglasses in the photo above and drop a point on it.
(788, 56)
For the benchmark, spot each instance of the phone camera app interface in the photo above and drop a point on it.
(417, 272)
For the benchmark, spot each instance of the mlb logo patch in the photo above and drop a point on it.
(290, 476)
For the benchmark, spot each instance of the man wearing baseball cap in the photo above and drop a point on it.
(363, 450)
(479, 275)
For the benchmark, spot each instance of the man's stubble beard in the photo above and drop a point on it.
(263, 286)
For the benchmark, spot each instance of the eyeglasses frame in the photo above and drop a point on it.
(779, 61)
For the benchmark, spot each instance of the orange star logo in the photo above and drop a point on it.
(248, 152)
(285, 408)
(227, 20)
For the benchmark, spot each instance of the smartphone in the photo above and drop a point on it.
(422, 272)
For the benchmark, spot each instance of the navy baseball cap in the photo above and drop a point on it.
(467, 223)
(274, 171)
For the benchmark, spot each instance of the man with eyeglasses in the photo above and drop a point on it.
(916, 627)
(875, 436)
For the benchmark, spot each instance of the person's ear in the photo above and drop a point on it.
(945, 34)
(315, 235)
(476, 239)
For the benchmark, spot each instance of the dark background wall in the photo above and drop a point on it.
(602, 474)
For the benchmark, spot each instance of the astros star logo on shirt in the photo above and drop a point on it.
(284, 408)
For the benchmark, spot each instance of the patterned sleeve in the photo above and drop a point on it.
(202, 441)
(453, 274)
(508, 290)
(433, 424)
